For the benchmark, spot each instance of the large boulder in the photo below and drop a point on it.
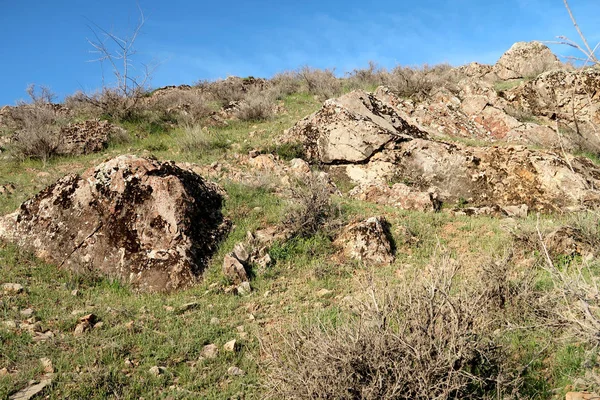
(148, 223)
(526, 60)
(351, 129)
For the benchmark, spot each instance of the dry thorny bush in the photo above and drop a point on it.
(312, 208)
(38, 126)
(429, 338)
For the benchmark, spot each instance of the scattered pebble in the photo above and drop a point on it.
(230, 346)
(12, 288)
(210, 351)
(235, 371)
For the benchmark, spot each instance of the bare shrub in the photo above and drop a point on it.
(285, 84)
(367, 78)
(312, 209)
(321, 83)
(39, 123)
(184, 106)
(418, 83)
(430, 338)
(256, 105)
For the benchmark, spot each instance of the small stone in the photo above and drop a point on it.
(234, 269)
(42, 337)
(244, 289)
(210, 351)
(47, 365)
(240, 328)
(75, 293)
(32, 389)
(235, 371)
(169, 308)
(3, 372)
(12, 288)
(128, 363)
(241, 253)
(230, 346)
(215, 321)
(130, 325)
(28, 312)
(10, 324)
(251, 317)
(156, 371)
(581, 396)
(323, 293)
(188, 306)
(99, 325)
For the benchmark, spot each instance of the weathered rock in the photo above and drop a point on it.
(351, 128)
(87, 137)
(230, 346)
(210, 351)
(569, 97)
(12, 288)
(525, 60)
(244, 288)
(368, 241)
(149, 223)
(235, 371)
(33, 389)
(581, 396)
(234, 269)
(493, 177)
(502, 176)
(240, 252)
(398, 195)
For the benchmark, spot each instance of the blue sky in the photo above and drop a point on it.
(45, 42)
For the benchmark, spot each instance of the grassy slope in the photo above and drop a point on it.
(94, 365)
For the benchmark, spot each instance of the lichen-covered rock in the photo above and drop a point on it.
(351, 129)
(367, 241)
(502, 176)
(146, 222)
(526, 59)
(570, 97)
(87, 137)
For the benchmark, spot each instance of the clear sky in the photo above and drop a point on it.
(45, 42)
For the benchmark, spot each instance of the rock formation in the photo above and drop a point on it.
(146, 222)
(377, 138)
(525, 60)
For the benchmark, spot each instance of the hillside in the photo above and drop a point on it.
(422, 233)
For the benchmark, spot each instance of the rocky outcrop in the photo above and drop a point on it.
(367, 241)
(87, 137)
(526, 60)
(377, 138)
(569, 97)
(148, 223)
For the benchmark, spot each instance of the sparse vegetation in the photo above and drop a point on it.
(472, 307)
